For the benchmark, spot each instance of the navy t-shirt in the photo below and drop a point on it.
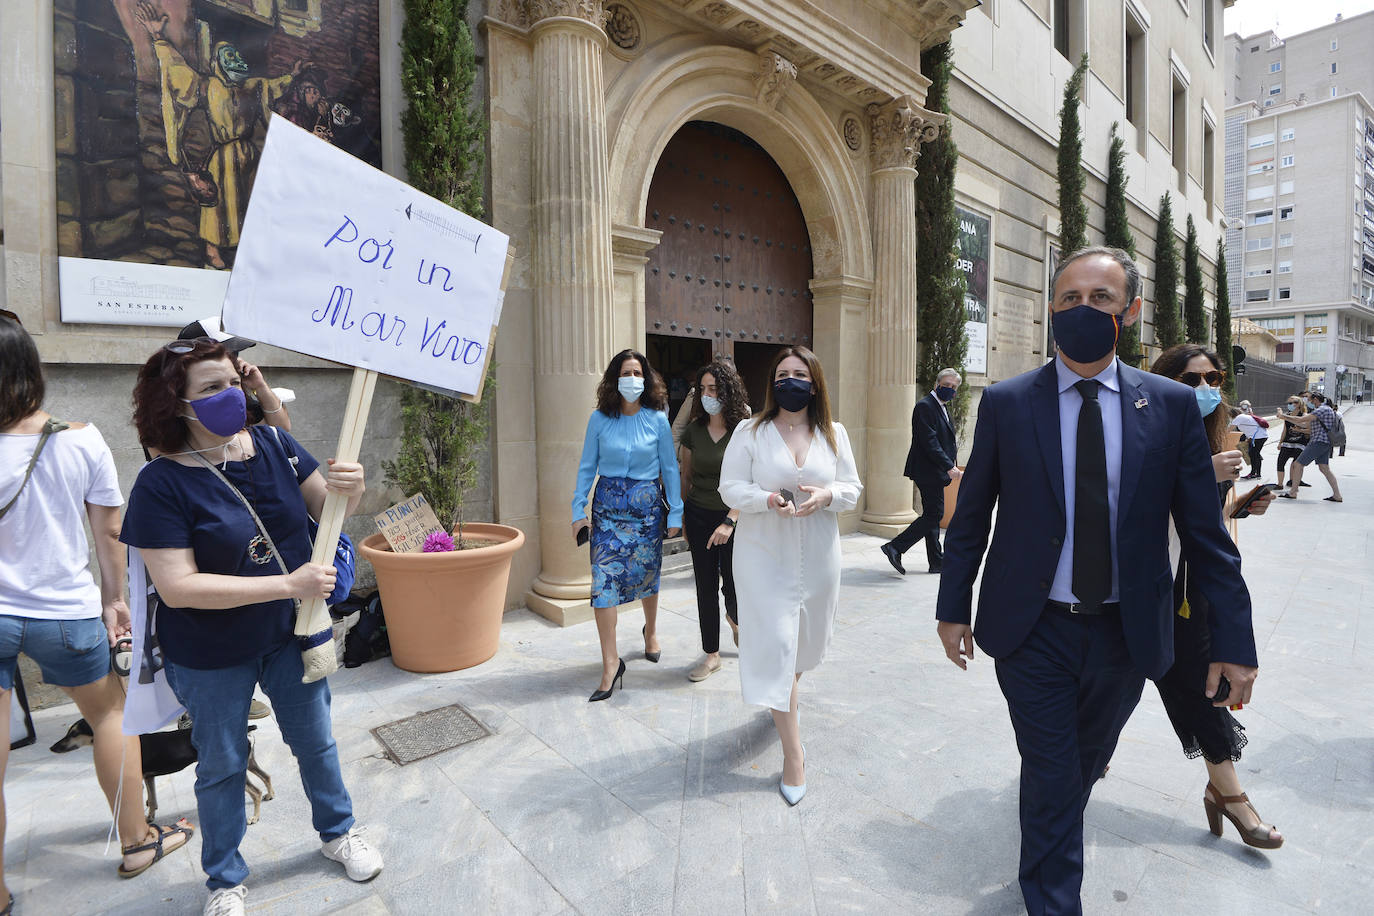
(176, 506)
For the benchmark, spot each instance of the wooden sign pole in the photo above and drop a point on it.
(313, 616)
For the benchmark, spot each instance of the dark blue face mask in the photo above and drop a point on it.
(1084, 333)
(945, 393)
(792, 394)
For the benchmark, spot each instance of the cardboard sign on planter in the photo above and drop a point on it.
(406, 524)
(341, 261)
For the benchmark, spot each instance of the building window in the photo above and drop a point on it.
(1333, 92)
(1137, 92)
(1285, 239)
(1209, 151)
(1285, 267)
(1259, 168)
(1335, 43)
(1261, 140)
(1333, 66)
(1260, 218)
(1260, 193)
(1257, 295)
(1178, 129)
(1209, 25)
(1268, 103)
(1276, 89)
(1263, 244)
(1286, 212)
(1285, 292)
(1258, 272)
(1285, 187)
(1275, 67)
(1069, 18)
(1286, 134)
(1280, 326)
(1286, 161)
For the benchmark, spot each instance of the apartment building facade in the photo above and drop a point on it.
(1156, 69)
(1300, 197)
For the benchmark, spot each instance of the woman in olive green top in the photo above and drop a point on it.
(720, 406)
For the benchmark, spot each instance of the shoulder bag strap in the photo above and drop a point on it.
(50, 426)
(262, 529)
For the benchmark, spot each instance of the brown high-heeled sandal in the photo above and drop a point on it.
(1214, 803)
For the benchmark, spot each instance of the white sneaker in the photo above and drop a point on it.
(360, 860)
(227, 901)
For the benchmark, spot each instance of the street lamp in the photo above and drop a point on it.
(1340, 381)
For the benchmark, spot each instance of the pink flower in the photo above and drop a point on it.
(438, 542)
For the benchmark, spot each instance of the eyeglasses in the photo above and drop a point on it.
(6, 313)
(1193, 379)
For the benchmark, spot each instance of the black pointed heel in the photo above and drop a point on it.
(618, 679)
(651, 656)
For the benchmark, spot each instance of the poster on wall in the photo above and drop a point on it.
(162, 112)
(974, 239)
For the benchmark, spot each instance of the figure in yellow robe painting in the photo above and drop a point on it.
(234, 105)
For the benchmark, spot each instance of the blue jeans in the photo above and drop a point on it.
(217, 700)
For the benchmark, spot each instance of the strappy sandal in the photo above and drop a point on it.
(180, 827)
(1214, 803)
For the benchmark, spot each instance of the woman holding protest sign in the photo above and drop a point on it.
(53, 477)
(221, 520)
(629, 446)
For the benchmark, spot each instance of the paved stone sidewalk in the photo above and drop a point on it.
(664, 798)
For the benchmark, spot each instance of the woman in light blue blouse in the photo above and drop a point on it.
(630, 446)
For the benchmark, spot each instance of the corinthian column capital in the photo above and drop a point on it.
(899, 128)
(775, 76)
(592, 11)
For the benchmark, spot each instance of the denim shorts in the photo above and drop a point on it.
(70, 653)
(1318, 453)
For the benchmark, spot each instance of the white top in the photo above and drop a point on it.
(44, 555)
(1250, 427)
(787, 570)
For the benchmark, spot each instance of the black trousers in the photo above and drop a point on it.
(1256, 446)
(927, 525)
(1070, 687)
(713, 568)
(1286, 455)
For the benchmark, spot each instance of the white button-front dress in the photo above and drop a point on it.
(787, 570)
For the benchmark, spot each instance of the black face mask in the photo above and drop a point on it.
(945, 393)
(792, 394)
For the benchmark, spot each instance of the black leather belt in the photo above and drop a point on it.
(1085, 610)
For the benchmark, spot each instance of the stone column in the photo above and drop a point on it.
(573, 282)
(898, 129)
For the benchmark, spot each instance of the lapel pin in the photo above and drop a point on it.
(1141, 403)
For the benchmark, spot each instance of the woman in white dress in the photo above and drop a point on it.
(788, 470)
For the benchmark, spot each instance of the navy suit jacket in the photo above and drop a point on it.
(1166, 469)
(932, 444)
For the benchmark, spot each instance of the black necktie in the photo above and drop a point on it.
(1092, 526)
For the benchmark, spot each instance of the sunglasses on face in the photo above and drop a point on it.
(1213, 378)
(181, 347)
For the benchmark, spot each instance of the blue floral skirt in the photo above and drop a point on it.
(627, 540)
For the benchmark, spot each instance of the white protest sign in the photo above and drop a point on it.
(341, 261)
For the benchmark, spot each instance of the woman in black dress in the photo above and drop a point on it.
(1207, 730)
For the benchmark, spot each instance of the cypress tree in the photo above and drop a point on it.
(1073, 212)
(1223, 322)
(442, 438)
(1119, 235)
(939, 285)
(1167, 330)
(1194, 311)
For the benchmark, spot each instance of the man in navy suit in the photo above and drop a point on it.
(1085, 459)
(930, 463)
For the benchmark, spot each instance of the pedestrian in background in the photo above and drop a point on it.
(1256, 432)
(1318, 423)
(1294, 438)
(54, 477)
(788, 471)
(930, 462)
(629, 446)
(1205, 729)
(710, 524)
(1084, 461)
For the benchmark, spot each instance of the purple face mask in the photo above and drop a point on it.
(222, 413)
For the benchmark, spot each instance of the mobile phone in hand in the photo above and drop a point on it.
(583, 536)
(1242, 508)
(1223, 690)
(788, 496)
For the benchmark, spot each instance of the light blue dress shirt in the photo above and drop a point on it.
(638, 446)
(1070, 403)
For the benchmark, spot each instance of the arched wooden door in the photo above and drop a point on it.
(731, 274)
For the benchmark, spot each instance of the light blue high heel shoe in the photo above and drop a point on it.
(794, 794)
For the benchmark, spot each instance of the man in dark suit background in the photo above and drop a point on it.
(930, 463)
(1085, 460)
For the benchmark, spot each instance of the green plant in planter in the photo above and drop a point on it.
(442, 438)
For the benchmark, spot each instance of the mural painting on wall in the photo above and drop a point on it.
(162, 111)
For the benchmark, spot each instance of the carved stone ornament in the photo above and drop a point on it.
(622, 27)
(776, 73)
(853, 133)
(525, 13)
(717, 13)
(898, 130)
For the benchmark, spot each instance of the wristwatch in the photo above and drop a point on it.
(729, 521)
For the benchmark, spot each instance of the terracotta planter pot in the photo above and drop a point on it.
(443, 610)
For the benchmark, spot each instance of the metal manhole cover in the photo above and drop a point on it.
(428, 733)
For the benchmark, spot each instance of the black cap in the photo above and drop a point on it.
(214, 329)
